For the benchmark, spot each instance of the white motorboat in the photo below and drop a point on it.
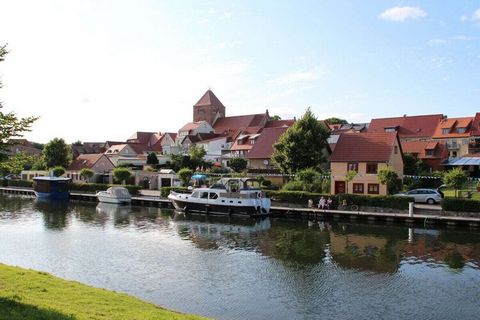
(228, 196)
(114, 195)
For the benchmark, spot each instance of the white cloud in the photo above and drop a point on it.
(399, 14)
(476, 15)
(464, 18)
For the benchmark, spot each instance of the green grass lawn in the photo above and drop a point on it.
(27, 294)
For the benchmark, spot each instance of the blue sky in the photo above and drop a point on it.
(97, 70)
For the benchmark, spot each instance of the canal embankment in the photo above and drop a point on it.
(416, 215)
(28, 294)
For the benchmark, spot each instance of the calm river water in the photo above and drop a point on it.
(245, 269)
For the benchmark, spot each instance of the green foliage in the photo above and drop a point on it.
(20, 183)
(414, 166)
(389, 177)
(309, 180)
(334, 120)
(57, 153)
(95, 187)
(165, 191)
(349, 176)
(121, 174)
(237, 164)
(293, 185)
(326, 185)
(58, 171)
(185, 175)
(460, 204)
(302, 197)
(77, 143)
(29, 294)
(455, 178)
(15, 164)
(275, 118)
(87, 174)
(152, 158)
(302, 145)
(39, 164)
(266, 183)
(455, 260)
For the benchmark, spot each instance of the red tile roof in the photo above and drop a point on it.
(453, 124)
(208, 99)
(141, 137)
(475, 128)
(85, 161)
(263, 147)
(364, 147)
(223, 125)
(279, 123)
(191, 126)
(408, 126)
(418, 148)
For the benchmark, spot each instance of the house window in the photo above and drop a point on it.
(390, 129)
(464, 142)
(445, 130)
(395, 149)
(373, 188)
(461, 130)
(429, 152)
(372, 168)
(358, 188)
(352, 166)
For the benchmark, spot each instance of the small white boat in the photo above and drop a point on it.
(114, 195)
(228, 196)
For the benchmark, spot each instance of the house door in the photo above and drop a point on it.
(339, 187)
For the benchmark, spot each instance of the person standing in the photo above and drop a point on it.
(321, 203)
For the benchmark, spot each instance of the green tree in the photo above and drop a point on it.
(196, 154)
(185, 174)
(349, 176)
(275, 117)
(15, 164)
(87, 173)
(77, 143)
(57, 153)
(310, 179)
(334, 120)
(455, 179)
(414, 166)
(302, 145)
(152, 158)
(11, 126)
(389, 177)
(122, 174)
(237, 164)
(58, 171)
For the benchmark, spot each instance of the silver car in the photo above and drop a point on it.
(430, 196)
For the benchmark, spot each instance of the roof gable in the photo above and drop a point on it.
(209, 99)
(408, 126)
(263, 147)
(227, 124)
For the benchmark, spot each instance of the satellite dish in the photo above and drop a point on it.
(265, 162)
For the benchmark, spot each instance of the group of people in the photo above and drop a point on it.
(322, 203)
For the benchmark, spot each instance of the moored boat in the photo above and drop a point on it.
(114, 195)
(228, 196)
(51, 187)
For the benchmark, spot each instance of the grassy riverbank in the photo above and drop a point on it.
(28, 294)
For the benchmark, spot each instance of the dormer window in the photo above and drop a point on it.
(390, 129)
(461, 130)
(429, 153)
(445, 130)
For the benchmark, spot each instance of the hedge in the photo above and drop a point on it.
(83, 187)
(165, 191)
(302, 197)
(460, 204)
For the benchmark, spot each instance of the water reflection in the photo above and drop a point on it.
(54, 212)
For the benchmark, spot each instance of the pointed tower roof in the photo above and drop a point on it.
(209, 99)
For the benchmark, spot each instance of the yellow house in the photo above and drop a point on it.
(365, 153)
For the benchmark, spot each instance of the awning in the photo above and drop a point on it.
(199, 177)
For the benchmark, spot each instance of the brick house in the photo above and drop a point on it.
(366, 153)
(432, 153)
(99, 163)
(421, 127)
(455, 132)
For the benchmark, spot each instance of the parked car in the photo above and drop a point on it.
(430, 196)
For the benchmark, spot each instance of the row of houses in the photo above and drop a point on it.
(437, 140)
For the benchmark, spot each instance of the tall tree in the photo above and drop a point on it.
(237, 164)
(389, 177)
(11, 126)
(302, 146)
(57, 153)
(122, 174)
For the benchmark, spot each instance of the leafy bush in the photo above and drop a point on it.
(293, 185)
(266, 183)
(19, 183)
(302, 197)
(58, 171)
(165, 191)
(459, 204)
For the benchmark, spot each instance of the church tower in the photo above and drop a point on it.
(208, 108)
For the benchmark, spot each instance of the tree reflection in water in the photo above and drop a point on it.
(55, 212)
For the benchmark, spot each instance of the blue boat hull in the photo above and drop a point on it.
(52, 195)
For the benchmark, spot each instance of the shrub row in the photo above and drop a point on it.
(19, 183)
(165, 191)
(83, 187)
(302, 197)
(94, 187)
(460, 204)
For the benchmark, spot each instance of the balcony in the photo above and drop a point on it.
(453, 146)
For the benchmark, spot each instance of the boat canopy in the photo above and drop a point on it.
(235, 184)
(118, 192)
